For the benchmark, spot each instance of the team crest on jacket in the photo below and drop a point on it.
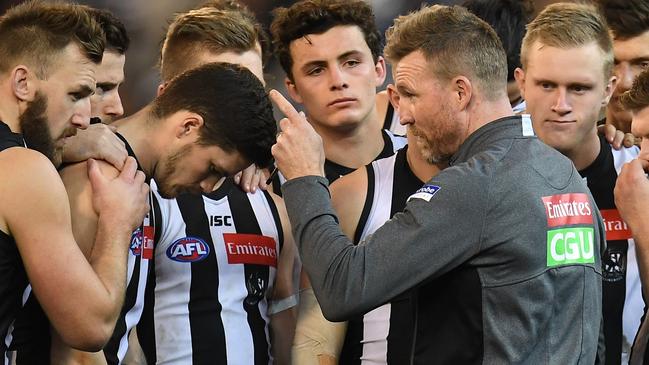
(136, 242)
(188, 249)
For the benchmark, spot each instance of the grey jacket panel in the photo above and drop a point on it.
(485, 212)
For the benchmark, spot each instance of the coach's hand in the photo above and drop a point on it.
(298, 151)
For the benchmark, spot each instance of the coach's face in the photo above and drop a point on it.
(61, 103)
(425, 105)
(335, 77)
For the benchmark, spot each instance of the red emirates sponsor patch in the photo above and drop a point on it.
(250, 249)
(567, 209)
(616, 228)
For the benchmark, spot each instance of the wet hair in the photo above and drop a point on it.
(316, 17)
(235, 108)
(36, 32)
(206, 29)
(262, 35)
(117, 39)
(627, 19)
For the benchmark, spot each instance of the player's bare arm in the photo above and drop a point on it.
(36, 213)
(284, 291)
(84, 229)
(317, 340)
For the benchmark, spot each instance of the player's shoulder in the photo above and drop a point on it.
(26, 166)
(29, 179)
(352, 183)
(348, 195)
(77, 173)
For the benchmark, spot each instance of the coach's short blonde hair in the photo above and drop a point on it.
(455, 42)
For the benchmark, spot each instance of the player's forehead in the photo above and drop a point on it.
(331, 44)
(111, 69)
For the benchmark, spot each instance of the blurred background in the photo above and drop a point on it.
(147, 20)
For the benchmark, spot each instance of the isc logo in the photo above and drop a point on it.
(188, 249)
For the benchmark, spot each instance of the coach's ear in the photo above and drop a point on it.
(23, 83)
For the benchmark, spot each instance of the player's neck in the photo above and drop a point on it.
(483, 112)
(9, 114)
(586, 153)
(352, 147)
(142, 139)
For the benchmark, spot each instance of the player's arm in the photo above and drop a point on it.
(84, 229)
(318, 341)
(64, 355)
(283, 298)
(79, 297)
(632, 200)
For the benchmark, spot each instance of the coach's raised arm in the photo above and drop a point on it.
(491, 263)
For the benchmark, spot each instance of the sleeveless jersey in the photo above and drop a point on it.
(385, 334)
(12, 271)
(215, 265)
(391, 144)
(623, 305)
(137, 275)
(32, 335)
(391, 122)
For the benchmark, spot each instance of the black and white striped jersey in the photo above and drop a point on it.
(333, 171)
(391, 144)
(623, 305)
(385, 334)
(140, 253)
(12, 271)
(215, 265)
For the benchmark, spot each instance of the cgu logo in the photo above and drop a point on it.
(570, 246)
(188, 249)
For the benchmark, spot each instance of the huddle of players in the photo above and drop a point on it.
(203, 290)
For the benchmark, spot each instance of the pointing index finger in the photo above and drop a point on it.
(284, 106)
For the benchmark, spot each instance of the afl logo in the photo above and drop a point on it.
(136, 242)
(188, 249)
